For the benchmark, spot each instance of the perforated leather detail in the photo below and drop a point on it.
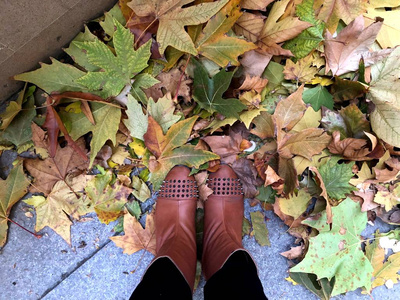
(225, 186)
(179, 188)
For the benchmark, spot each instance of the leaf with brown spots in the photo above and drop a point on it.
(337, 252)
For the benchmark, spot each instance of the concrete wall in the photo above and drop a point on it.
(33, 30)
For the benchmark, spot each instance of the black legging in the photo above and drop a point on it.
(237, 279)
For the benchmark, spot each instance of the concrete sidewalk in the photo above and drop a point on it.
(94, 268)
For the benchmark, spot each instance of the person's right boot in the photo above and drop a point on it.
(223, 220)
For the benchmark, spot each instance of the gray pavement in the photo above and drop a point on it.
(94, 268)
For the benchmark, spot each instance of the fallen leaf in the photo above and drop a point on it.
(265, 127)
(349, 148)
(208, 92)
(137, 120)
(51, 170)
(339, 245)
(333, 11)
(162, 112)
(289, 111)
(293, 253)
(389, 198)
(254, 62)
(343, 53)
(259, 228)
(306, 143)
(362, 175)
(295, 205)
(368, 199)
(318, 97)
(383, 92)
(175, 82)
(65, 201)
(253, 83)
(383, 271)
(310, 119)
(301, 71)
(172, 18)
(204, 190)
(141, 190)
(12, 189)
(247, 174)
(136, 238)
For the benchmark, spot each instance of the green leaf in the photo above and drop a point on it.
(163, 112)
(310, 38)
(108, 201)
(213, 42)
(384, 93)
(55, 77)
(336, 178)
(350, 122)
(142, 81)
(114, 13)
(266, 194)
(141, 190)
(343, 89)
(117, 70)
(318, 97)
(337, 252)
(107, 120)
(134, 209)
(12, 189)
(295, 205)
(322, 288)
(259, 228)
(186, 155)
(274, 74)
(79, 56)
(19, 131)
(208, 92)
(137, 120)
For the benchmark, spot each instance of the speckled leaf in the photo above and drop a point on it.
(260, 228)
(337, 252)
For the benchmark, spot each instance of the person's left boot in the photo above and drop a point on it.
(175, 222)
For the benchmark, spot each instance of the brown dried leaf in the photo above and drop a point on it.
(47, 172)
(204, 190)
(253, 83)
(294, 252)
(136, 238)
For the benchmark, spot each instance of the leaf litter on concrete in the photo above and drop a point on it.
(301, 98)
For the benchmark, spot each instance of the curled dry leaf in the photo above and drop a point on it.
(253, 83)
(204, 190)
(293, 253)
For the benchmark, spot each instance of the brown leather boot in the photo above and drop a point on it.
(175, 221)
(223, 219)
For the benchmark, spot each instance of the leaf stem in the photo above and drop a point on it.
(34, 234)
(143, 32)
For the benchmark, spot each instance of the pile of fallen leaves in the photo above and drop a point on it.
(301, 98)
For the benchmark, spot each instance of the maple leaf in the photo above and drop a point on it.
(389, 35)
(136, 238)
(388, 198)
(169, 149)
(259, 228)
(310, 38)
(338, 249)
(63, 201)
(213, 42)
(107, 201)
(162, 112)
(208, 92)
(107, 118)
(12, 189)
(334, 10)
(383, 92)
(51, 170)
(173, 18)
(289, 111)
(275, 30)
(343, 53)
(301, 71)
(295, 205)
(54, 77)
(306, 143)
(116, 70)
(336, 178)
(19, 130)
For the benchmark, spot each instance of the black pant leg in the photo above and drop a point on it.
(162, 280)
(237, 279)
